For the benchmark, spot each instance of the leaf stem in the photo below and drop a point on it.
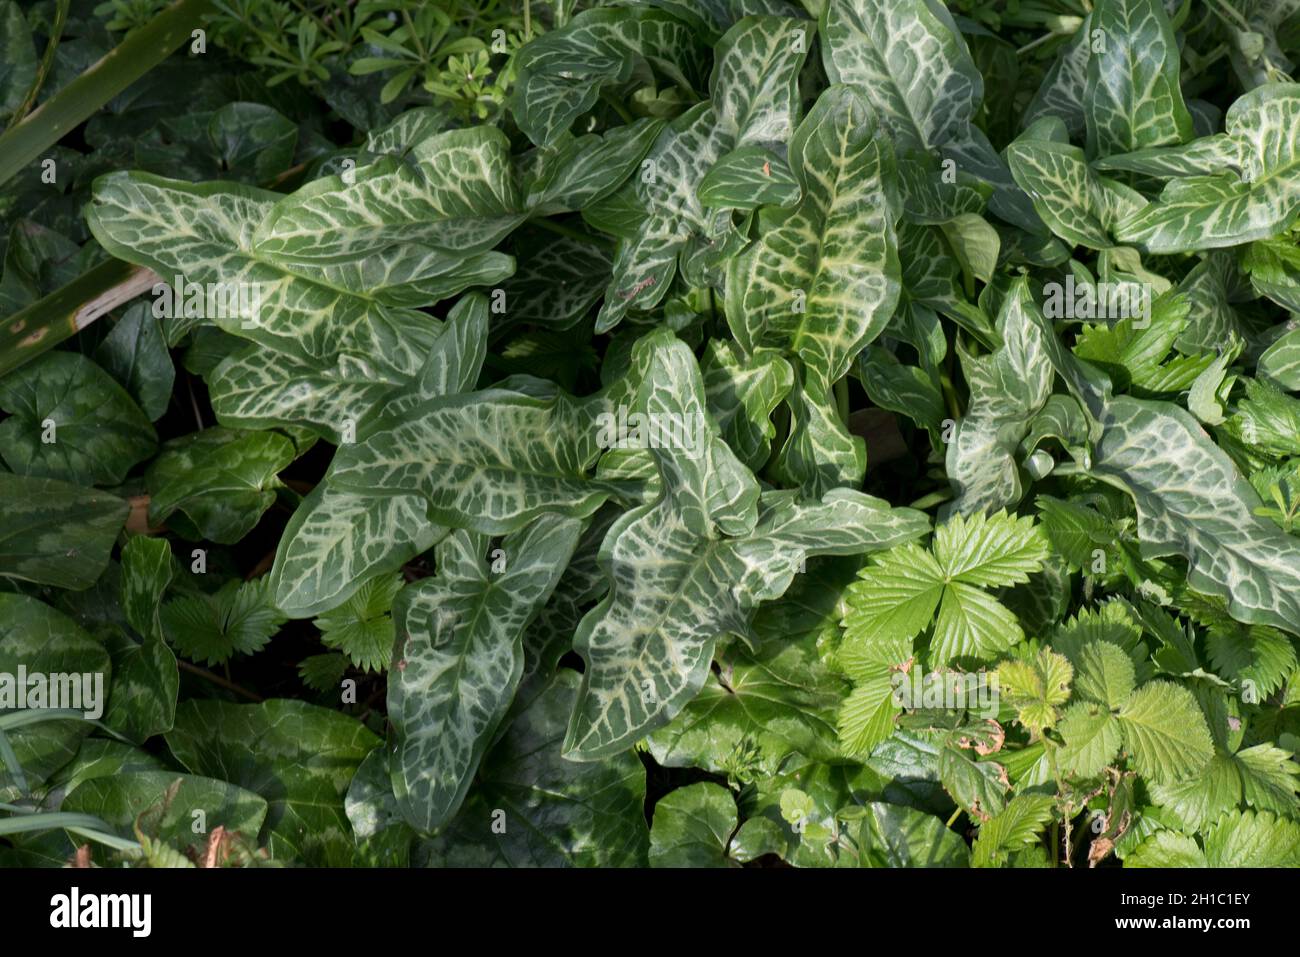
(569, 231)
(217, 680)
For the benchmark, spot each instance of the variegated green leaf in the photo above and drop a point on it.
(1077, 204)
(1132, 99)
(56, 533)
(742, 395)
(694, 564)
(1192, 501)
(823, 278)
(459, 196)
(204, 233)
(754, 101)
(491, 461)
(461, 657)
(1007, 388)
(1212, 211)
(562, 74)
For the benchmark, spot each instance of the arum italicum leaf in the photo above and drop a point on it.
(1192, 501)
(339, 537)
(562, 74)
(1007, 388)
(909, 59)
(824, 278)
(1078, 205)
(693, 565)
(755, 100)
(1224, 208)
(460, 648)
(1131, 97)
(314, 315)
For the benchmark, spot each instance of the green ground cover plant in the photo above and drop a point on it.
(650, 433)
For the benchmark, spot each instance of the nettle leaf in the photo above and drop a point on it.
(220, 480)
(56, 533)
(693, 565)
(69, 420)
(754, 100)
(299, 757)
(1192, 501)
(238, 618)
(1036, 686)
(461, 658)
(693, 826)
(823, 278)
(1131, 98)
(531, 807)
(1165, 731)
(897, 595)
(1014, 827)
(1078, 205)
(1007, 388)
(362, 627)
(562, 74)
(1224, 209)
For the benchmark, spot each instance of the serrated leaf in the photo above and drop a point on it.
(1165, 732)
(1014, 827)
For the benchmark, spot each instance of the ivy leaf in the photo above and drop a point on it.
(135, 354)
(56, 533)
(69, 420)
(166, 801)
(299, 757)
(692, 827)
(221, 481)
(145, 676)
(462, 658)
(36, 637)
